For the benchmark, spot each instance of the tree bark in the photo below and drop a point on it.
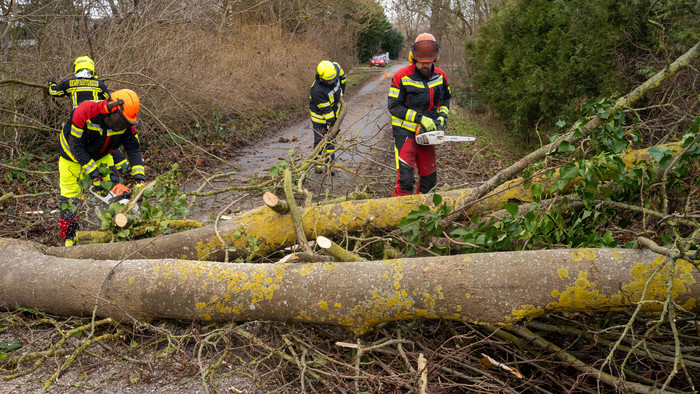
(274, 231)
(498, 288)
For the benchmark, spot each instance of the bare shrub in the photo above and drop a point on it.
(186, 60)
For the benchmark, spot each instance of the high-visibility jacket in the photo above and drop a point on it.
(412, 96)
(80, 89)
(324, 100)
(86, 138)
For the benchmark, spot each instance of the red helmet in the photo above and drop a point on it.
(425, 49)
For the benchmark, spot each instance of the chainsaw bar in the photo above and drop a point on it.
(437, 137)
(459, 138)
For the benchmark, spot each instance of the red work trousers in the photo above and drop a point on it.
(410, 155)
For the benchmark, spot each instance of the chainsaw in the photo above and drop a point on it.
(118, 193)
(437, 137)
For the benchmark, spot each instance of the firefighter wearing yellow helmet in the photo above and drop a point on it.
(324, 106)
(84, 85)
(94, 130)
(419, 100)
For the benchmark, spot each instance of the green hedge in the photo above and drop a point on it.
(536, 61)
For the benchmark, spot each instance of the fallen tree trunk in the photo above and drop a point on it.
(273, 231)
(498, 288)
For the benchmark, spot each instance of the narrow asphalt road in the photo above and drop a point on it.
(362, 155)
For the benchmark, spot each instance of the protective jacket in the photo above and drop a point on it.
(80, 89)
(412, 96)
(324, 100)
(86, 138)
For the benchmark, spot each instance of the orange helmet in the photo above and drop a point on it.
(131, 105)
(425, 49)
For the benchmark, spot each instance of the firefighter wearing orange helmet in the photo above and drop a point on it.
(96, 129)
(419, 100)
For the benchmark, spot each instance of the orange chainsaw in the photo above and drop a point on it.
(118, 193)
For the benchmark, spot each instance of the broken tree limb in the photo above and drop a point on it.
(294, 212)
(336, 250)
(623, 102)
(272, 231)
(498, 288)
(277, 205)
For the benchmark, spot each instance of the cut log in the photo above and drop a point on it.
(277, 205)
(123, 220)
(498, 288)
(336, 250)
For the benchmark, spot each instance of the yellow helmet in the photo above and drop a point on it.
(326, 70)
(83, 62)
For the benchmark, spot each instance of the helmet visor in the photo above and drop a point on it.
(425, 51)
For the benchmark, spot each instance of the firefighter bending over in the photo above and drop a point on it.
(93, 131)
(324, 106)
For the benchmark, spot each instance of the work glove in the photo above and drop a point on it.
(441, 121)
(112, 106)
(98, 183)
(51, 81)
(139, 180)
(428, 124)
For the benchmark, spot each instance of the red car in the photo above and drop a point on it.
(377, 61)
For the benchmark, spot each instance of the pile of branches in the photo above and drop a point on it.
(555, 353)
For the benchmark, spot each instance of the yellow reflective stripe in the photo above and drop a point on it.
(393, 92)
(122, 163)
(436, 82)
(90, 166)
(112, 132)
(410, 126)
(93, 127)
(443, 110)
(66, 148)
(136, 170)
(396, 156)
(76, 131)
(317, 118)
(324, 105)
(411, 115)
(410, 82)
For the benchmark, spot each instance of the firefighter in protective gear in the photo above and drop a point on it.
(324, 105)
(93, 131)
(84, 85)
(419, 100)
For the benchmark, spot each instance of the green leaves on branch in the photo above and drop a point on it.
(160, 204)
(424, 223)
(599, 177)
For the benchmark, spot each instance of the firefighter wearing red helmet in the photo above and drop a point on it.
(96, 129)
(419, 100)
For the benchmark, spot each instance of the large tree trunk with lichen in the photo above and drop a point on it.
(498, 288)
(273, 231)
